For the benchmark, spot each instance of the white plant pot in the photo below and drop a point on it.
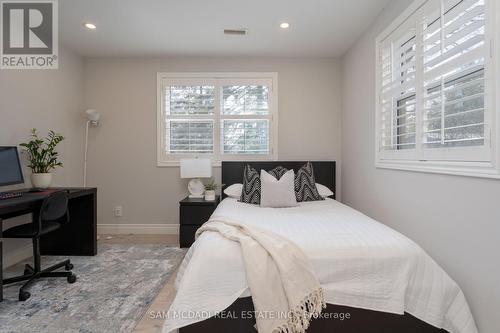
(41, 180)
(209, 195)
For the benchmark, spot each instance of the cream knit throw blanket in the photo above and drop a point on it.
(285, 291)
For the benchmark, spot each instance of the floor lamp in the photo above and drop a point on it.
(92, 120)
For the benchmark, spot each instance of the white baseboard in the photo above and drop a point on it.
(17, 255)
(138, 229)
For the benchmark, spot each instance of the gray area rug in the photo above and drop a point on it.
(112, 292)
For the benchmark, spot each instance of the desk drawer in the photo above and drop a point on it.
(195, 215)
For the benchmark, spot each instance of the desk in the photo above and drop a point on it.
(77, 238)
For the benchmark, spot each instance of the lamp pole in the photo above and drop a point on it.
(93, 120)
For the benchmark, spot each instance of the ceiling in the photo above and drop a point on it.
(319, 28)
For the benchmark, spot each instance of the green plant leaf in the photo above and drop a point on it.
(41, 153)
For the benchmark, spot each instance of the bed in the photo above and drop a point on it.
(374, 279)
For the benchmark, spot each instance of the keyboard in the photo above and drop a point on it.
(9, 195)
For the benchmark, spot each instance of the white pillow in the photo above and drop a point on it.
(277, 193)
(323, 190)
(234, 191)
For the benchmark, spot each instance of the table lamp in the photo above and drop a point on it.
(196, 168)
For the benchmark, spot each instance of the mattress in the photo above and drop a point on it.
(358, 261)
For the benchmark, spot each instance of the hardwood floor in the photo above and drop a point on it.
(150, 322)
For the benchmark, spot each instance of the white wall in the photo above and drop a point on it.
(122, 158)
(455, 219)
(45, 99)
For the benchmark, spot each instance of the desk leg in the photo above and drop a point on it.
(79, 236)
(1, 263)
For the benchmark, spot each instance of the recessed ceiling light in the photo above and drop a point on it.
(285, 25)
(90, 26)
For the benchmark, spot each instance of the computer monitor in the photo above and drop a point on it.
(10, 167)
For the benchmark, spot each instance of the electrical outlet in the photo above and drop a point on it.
(118, 211)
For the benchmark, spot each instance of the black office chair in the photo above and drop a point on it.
(53, 213)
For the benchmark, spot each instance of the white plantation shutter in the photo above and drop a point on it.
(245, 99)
(432, 85)
(190, 136)
(189, 125)
(245, 117)
(219, 117)
(454, 52)
(398, 90)
(190, 100)
(245, 136)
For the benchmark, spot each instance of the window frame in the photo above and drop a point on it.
(165, 159)
(415, 161)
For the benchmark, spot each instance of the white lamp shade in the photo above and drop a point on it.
(196, 168)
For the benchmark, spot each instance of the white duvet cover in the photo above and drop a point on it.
(358, 261)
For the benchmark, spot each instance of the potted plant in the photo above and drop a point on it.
(42, 157)
(210, 189)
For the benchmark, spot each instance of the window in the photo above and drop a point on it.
(435, 89)
(222, 116)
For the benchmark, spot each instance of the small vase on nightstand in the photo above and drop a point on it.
(209, 195)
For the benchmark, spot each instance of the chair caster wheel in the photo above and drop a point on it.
(72, 278)
(24, 295)
(68, 267)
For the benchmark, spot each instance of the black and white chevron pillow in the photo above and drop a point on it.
(278, 172)
(250, 193)
(305, 184)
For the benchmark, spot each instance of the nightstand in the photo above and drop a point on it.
(193, 213)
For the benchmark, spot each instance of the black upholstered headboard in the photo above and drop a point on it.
(324, 171)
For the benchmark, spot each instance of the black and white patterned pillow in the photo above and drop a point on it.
(250, 193)
(305, 185)
(278, 172)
